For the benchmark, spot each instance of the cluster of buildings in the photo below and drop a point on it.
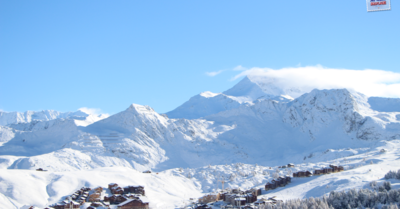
(279, 182)
(234, 197)
(327, 170)
(256, 204)
(129, 197)
(73, 201)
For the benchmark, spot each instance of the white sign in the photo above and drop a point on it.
(378, 5)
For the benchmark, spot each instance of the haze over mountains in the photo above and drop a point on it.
(253, 122)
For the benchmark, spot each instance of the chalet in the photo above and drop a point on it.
(140, 203)
(288, 179)
(117, 190)
(82, 200)
(281, 182)
(341, 168)
(134, 190)
(239, 200)
(148, 171)
(271, 185)
(40, 169)
(250, 198)
(94, 197)
(97, 204)
(210, 198)
(115, 199)
(228, 196)
(98, 189)
(302, 174)
(299, 174)
(335, 168)
(290, 165)
(222, 196)
(67, 205)
(318, 171)
(254, 191)
(327, 170)
(268, 186)
(274, 184)
(112, 185)
(106, 204)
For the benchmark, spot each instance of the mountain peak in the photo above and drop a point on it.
(208, 94)
(246, 88)
(254, 87)
(140, 108)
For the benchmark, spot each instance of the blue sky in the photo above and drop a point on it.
(64, 55)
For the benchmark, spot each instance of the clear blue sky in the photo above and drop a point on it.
(63, 55)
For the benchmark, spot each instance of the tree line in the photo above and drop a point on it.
(382, 197)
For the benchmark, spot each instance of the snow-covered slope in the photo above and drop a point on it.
(251, 88)
(253, 123)
(384, 104)
(82, 118)
(137, 137)
(246, 92)
(173, 188)
(204, 104)
(268, 132)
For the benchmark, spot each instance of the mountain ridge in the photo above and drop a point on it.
(141, 138)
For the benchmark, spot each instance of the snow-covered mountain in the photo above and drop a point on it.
(384, 104)
(82, 118)
(266, 132)
(246, 92)
(255, 122)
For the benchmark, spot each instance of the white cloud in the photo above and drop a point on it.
(369, 82)
(239, 68)
(212, 74)
(92, 111)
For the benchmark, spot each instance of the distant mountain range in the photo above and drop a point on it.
(256, 121)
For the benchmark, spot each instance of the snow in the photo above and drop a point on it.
(241, 135)
(208, 94)
(246, 92)
(172, 188)
(142, 139)
(81, 118)
(384, 104)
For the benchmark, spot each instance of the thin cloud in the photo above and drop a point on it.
(239, 68)
(212, 74)
(92, 111)
(369, 82)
